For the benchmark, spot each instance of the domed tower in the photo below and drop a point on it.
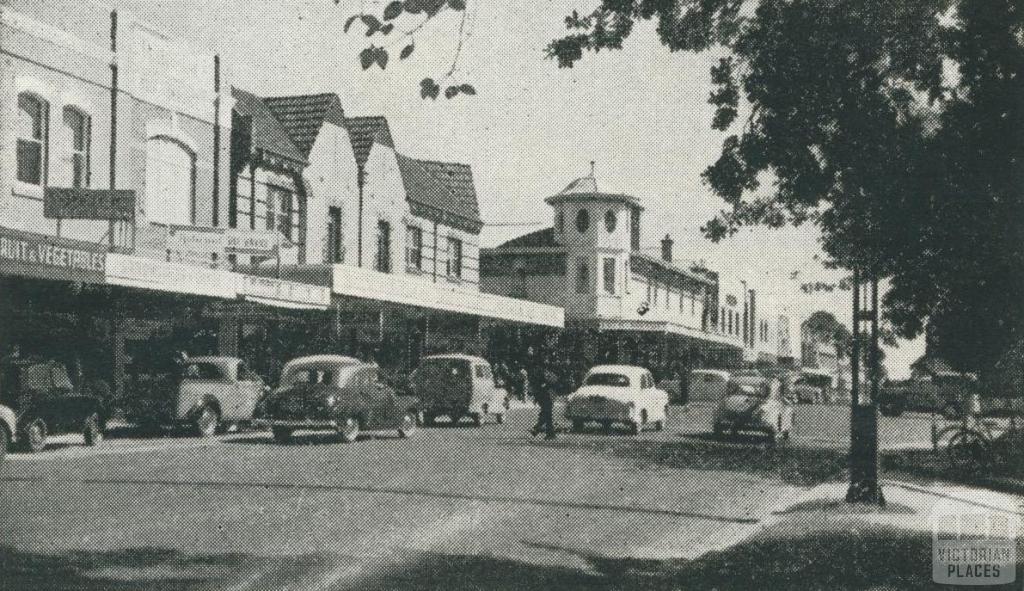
(598, 229)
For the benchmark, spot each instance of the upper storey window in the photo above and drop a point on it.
(610, 221)
(582, 221)
(33, 132)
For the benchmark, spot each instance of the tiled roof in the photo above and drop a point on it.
(654, 261)
(267, 132)
(303, 115)
(443, 186)
(364, 131)
(540, 239)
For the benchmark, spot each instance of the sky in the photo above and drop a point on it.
(640, 113)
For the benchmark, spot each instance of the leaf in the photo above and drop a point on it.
(467, 89)
(393, 10)
(429, 88)
(416, 6)
(406, 51)
(372, 24)
(457, 4)
(451, 92)
(366, 57)
(387, 29)
(381, 57)
(348, 23)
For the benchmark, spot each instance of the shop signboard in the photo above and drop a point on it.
(134, 271)
(279, 292)
(251, 242)
(49, 257)
(195, 240)
(88, 204)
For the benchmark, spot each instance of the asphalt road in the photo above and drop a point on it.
(453, 507)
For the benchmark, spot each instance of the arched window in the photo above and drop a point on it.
(33, 138)
(582, 220)
(610, 221)
(170, 181)
(79, 130)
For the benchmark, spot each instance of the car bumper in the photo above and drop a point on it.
(755, 423)
(599, 409)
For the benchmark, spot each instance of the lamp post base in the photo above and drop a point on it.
(864, 485)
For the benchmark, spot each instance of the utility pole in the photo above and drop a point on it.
(864, 485)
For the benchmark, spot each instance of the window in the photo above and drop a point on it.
(609, 275)
(655, 284)
(650, 290)
(203, 371)
(583, 277)
(693, 305)
(615, 380)
(279, 210)
(33, 129)
(454, 258)
(560, 222)
(730, 321)
(582, 221)
(610, 221)
(414, 248)
(79, 136)
(626, 277)
(383, 246)
(170, 181)
(335, 249)
(721, 319)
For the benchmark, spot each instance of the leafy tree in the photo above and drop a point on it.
(838, 112)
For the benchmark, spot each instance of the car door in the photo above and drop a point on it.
(248, 389)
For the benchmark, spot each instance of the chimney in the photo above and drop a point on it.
(666, 248)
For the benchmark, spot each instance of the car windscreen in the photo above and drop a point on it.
(747, 387)
(607, 379)
(203, 371)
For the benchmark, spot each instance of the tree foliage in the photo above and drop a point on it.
(838, 112)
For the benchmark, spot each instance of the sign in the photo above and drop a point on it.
(49, 257)
(271, 291)
(195, 240)
(133, 271)
(88, 204)
(250, 242)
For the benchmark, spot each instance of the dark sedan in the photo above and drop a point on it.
(336, 393)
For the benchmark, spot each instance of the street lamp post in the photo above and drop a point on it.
(864, 485)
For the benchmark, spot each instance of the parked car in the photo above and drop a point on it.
(206, 393)
(44, 401)
(708, 385)
(754, 403)
(949, 396)
(8, 427)
(459, 386)
(811, 389)
(336, 393)
(618, 394)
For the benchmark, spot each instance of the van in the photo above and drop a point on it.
(458, 386)
(708, 385)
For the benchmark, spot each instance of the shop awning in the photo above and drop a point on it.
(281, 293)
(134, 271)
(283, 304)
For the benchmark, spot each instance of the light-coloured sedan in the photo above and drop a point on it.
(754, 403)
(618, 394)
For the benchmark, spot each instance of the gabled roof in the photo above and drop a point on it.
(303, 115)
(267, 132)
(364, 131)
(445, 187)
(540, 239)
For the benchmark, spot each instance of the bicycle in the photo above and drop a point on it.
(977, 445)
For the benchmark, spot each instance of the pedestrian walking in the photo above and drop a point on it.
(541, 385)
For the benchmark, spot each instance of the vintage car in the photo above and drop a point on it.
(458, 386)
(336, 393)
(708, 385)
(812, 388)
(45, 402)
(949, 396)
(618, 394)
(753, 402)
(204, 394)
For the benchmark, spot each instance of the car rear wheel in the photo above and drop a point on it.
(92, 430)
(408, 426)
(478, 419)
(5, 442)
(207, 422)
(578, 425)
(349, 430)
(282, 434)
(660, 425)
(34, 436)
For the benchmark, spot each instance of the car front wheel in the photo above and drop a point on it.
(92, 431)
(282, 435)
(34, 438)
(207, 422)
(349, 430)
